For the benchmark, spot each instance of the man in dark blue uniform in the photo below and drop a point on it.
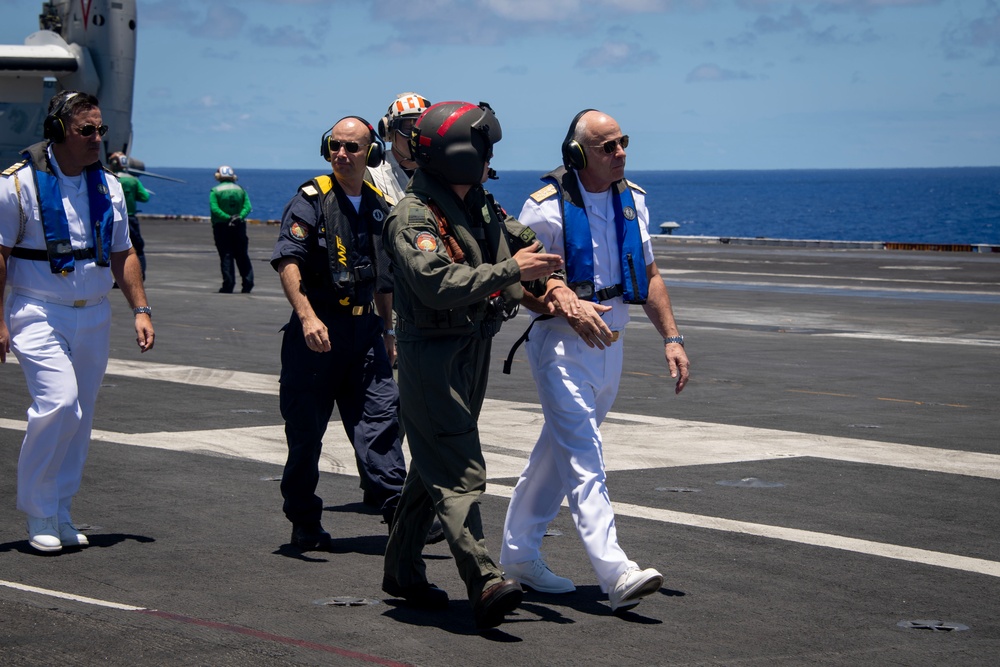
(336, 348)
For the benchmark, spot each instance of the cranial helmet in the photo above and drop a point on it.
(118, 161)
(454, 141)
(406, 105)
(225, 173)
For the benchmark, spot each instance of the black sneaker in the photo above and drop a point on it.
(310, 537)
(423, 595)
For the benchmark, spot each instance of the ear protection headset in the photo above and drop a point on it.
(376, 149)
(573, 155)
(53, 127)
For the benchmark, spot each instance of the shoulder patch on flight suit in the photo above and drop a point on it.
(634, 186)
(9, 171)
(527, 236)
(425, 241)
(542, 194)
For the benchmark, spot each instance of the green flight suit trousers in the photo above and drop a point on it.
(442, 383)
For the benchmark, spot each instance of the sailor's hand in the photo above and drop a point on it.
(678, 364)
(4, 341)
(144, 335)
(562, 301)
(589, 325)
(534, 264)
(390, 347)
(316, 334)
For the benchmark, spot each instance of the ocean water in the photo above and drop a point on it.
(939, 206)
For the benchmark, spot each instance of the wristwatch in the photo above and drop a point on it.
(389, 332)
(674, 339)
(143, 309)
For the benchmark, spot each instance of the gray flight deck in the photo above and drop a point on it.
(826, 491)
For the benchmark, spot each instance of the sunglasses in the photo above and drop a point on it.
(349, 146)
(88, 130)
(612, 145)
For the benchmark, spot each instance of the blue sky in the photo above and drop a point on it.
(697, 84)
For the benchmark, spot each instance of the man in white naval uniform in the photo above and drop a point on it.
(396, 169)
(589, 214)
(63, 242)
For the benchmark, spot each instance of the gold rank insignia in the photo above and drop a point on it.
(634, 186)
(425, 241)
(14, 167)
(544, 193)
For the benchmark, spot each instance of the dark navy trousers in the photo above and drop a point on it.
(234, 247)
(356, 377)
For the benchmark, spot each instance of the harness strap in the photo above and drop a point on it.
(444, 229)
(510, 355)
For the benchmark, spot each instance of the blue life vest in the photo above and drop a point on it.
(579, 246)
(56, 225)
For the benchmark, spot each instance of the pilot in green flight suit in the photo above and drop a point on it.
(458, 262)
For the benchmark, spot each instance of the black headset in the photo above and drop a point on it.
(376, 149)
(53, 126)
(574, 157)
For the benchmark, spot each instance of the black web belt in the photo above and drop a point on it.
(610, 292)
(37, 255)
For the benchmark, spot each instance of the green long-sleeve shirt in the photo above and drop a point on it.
(134, 190)
(226, 200)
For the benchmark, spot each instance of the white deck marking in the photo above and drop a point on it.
(70, 596)
(508, 430)
(831, 280)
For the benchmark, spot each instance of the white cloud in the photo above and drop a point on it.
(980, 36)
(710, 72)
(617, 56)
(532, 10)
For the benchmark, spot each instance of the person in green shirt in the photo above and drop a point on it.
(134, 191)
(230, 206)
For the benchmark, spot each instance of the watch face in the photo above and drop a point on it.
(584, 290)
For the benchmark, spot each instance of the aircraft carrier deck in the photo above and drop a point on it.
(826, 491)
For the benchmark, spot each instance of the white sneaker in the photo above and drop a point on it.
(43, 534)
(69, 536)
(632, 585)
(535, 574)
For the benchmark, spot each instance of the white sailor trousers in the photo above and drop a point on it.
(576, 386)
(63, 352)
